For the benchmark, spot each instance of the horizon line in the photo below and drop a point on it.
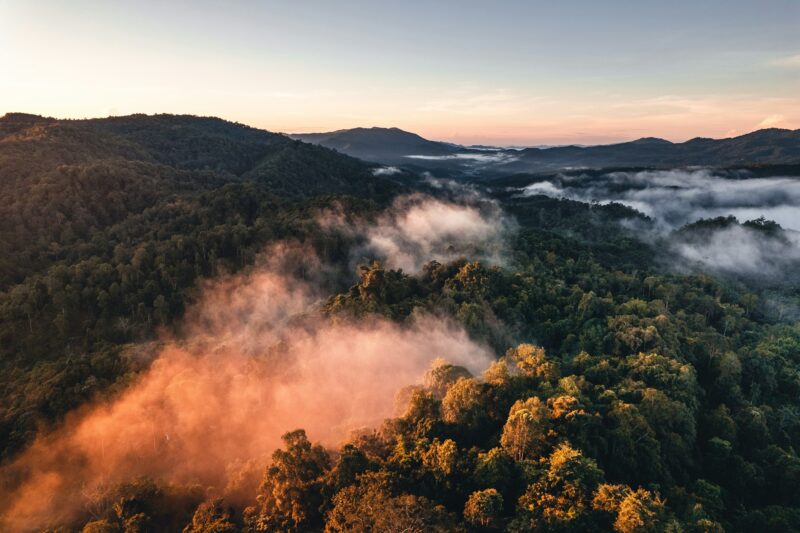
(293, 132)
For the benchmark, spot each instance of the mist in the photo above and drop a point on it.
(675, 198)
(489, 156)
(420, 228)
(386, 171)
(254, 359)
(741, 250)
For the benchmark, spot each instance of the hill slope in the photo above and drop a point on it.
(106, 226)
(60, 180)
(183, 142)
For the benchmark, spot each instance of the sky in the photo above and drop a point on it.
(500, 72)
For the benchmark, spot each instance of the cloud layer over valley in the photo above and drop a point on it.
(675, 198)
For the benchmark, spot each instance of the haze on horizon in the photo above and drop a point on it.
(508, 72)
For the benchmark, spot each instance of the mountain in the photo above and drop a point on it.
(185, 143)
(397, 147)
(86, 175)
(769, 146)
(106, 225)
(390, 146)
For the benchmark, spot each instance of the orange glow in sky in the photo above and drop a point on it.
(517, 73)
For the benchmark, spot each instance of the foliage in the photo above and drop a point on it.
(623, 397)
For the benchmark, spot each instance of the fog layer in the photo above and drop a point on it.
(677, 197)
(255, 359)
(674, 198)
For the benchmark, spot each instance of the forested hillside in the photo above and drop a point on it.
(108, 224)
(622, 394)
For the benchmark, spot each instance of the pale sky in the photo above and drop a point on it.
(503, 72)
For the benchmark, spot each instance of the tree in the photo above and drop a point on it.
(463, 404)
(641, 511)
(634, 452)
(442, 375)
(495, 469)
(352, 462)
(212, 517)
(376, 504)
(137, 504)
(484, 508)
(100, 526)
(423, 412)
(532, 361)
(291, 495)
(560, 500)
(528, 429)
(441, 459)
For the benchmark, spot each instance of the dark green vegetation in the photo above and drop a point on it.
(649, 402)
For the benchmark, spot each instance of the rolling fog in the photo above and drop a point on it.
(674, 198)
(255, 359)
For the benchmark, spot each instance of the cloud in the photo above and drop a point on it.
(773, 121)
(255, 360)
(674, 198)
(787, 61)
(493, 157)
(419, 228)
(678, 197)
(741, 250)
(386, 171)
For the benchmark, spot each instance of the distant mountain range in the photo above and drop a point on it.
(392, 146)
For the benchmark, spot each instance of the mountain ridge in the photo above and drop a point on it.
(379, 145)
(185, 142)
(392, 146)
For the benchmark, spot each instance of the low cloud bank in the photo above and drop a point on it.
(488, 157)
(386, 171)
(677, 197)
(674, 198)
(742, 250)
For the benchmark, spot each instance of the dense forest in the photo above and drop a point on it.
(624, 395)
